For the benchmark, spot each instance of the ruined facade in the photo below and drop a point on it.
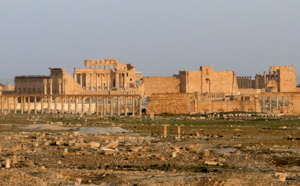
(279, 79)
(203, 81)
(98, 77)
(201, 91)
(105, 74)
(221, 91)
(208, 81)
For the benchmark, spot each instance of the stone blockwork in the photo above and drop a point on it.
(160, 84)
(228, 106)
(279, 79)
(183, 103)
(208, 81)
(177, 103)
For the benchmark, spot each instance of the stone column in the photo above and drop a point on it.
(55, 105)
(90, 105)
(59, 86)
(108, 76)
(83, 100)
(28, 103)
(69, 105)
(165, 130)
(107, 107)
(104, 106)
(64, 86)
(102, 81)
(117, 79)
(80, 79)
(2, 104)
(76, 106)
(8, 106)
(35, 110)
(140, 106)
(97, 105)
(118, 102)
(96, 81)
(49, 98)
(125, 79)
(22, 105)
(133, 105)
(15, 104)
(263, 106)
(45, 86)
(270, 103)
(111, 106)
(62, 100)
(257, 109)
(42, 105)
(178, 130)
(283, 101)
(265, 79)
(256, 82)
(91, 81)
(50, 86)
(250, 82)
(277, 101)
(125, 109)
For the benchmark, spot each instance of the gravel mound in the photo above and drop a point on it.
(102, 130)
(45, 127)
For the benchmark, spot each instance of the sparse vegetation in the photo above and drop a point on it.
(258, 146)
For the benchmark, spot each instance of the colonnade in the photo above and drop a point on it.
(72, 104)
(244, 81)
(103, 80)
(280, 101)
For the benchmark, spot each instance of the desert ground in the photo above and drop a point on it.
(216, 149)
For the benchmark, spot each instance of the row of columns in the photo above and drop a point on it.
(34, 87)
(269, 99)
(25, 100)
(245, 82)
(105, 80)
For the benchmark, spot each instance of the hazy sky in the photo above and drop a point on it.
(159, 37)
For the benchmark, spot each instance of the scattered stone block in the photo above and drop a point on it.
(112, 145)
(206, 153)
(7, 163)
(93, 145)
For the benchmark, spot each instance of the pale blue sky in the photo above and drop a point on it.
(159, 37)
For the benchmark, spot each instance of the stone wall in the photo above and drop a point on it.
(208, 81)
(184, 103)
(295, 104)
(249, 91)
(287, 80)
(227, 106)
(176, 103)
(160, 84)
(69, 84)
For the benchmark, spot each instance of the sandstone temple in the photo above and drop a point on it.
(108, 87)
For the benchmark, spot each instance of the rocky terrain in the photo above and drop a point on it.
(231, 149)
